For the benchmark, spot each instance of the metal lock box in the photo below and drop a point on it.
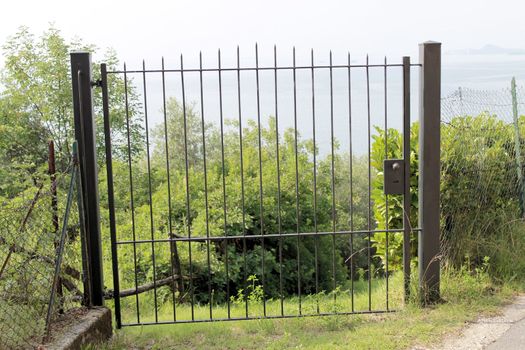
(394, 175)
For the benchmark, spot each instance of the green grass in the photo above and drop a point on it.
(338, 301)
(465, 297)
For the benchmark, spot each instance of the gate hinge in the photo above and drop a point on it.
(96, 83)
(394, 176)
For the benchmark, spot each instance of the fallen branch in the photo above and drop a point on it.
(143, 288)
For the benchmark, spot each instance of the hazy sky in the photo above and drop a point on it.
(153, 28)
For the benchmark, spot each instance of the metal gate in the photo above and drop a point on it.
(240, 191)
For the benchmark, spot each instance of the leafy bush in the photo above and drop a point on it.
(391, 216)
(479, 191)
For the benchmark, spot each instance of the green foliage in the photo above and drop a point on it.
(479, 193)
(36, 105)
(254, 292)
(27, 253)
(506, 262)
(198, 219)
(388, 212)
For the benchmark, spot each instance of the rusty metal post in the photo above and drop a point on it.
(429, 170)
(85, 135)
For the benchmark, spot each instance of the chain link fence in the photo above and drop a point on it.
(482, 174)
(470, 102)
(31, 230)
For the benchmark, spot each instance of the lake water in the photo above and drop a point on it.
(478, 72)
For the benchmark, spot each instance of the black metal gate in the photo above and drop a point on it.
(260, 191)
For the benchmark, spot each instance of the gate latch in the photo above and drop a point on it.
(394, 175)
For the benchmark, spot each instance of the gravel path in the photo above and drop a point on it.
(506, 331)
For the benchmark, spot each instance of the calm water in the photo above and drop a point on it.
(482, 72)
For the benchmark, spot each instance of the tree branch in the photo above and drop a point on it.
(22, 227)
(70, 286)
(143, 288)
(15, 248)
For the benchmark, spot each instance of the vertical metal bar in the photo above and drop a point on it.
(332, 171)
(387, 226)
(60, 248)
(517, 147)
(205, 168)
(241, 155)
(316, 246)
(369, 221)
(85, 134)
(429, 170)
(296, 183)
(224, 189)
(173, 245)
(278, 165)
(187, 183)
(111, 196)
(149, 190)
(261, 206)
(83, 239)
(407, 197)
(132, 203)
(350, 164)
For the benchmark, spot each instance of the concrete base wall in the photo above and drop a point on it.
(92, 328)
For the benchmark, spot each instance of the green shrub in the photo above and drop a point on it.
(480, 214)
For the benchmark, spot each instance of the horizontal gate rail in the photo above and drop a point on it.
(268, 235)
(233, 69)
(322, 314)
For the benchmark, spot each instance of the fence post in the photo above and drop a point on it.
(429, 170)
(517, 147)
(407, 198)
(51, 167)
(85, 131)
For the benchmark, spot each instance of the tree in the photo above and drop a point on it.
(23, 149)
(37, 103)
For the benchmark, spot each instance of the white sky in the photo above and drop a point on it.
(153, 28)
